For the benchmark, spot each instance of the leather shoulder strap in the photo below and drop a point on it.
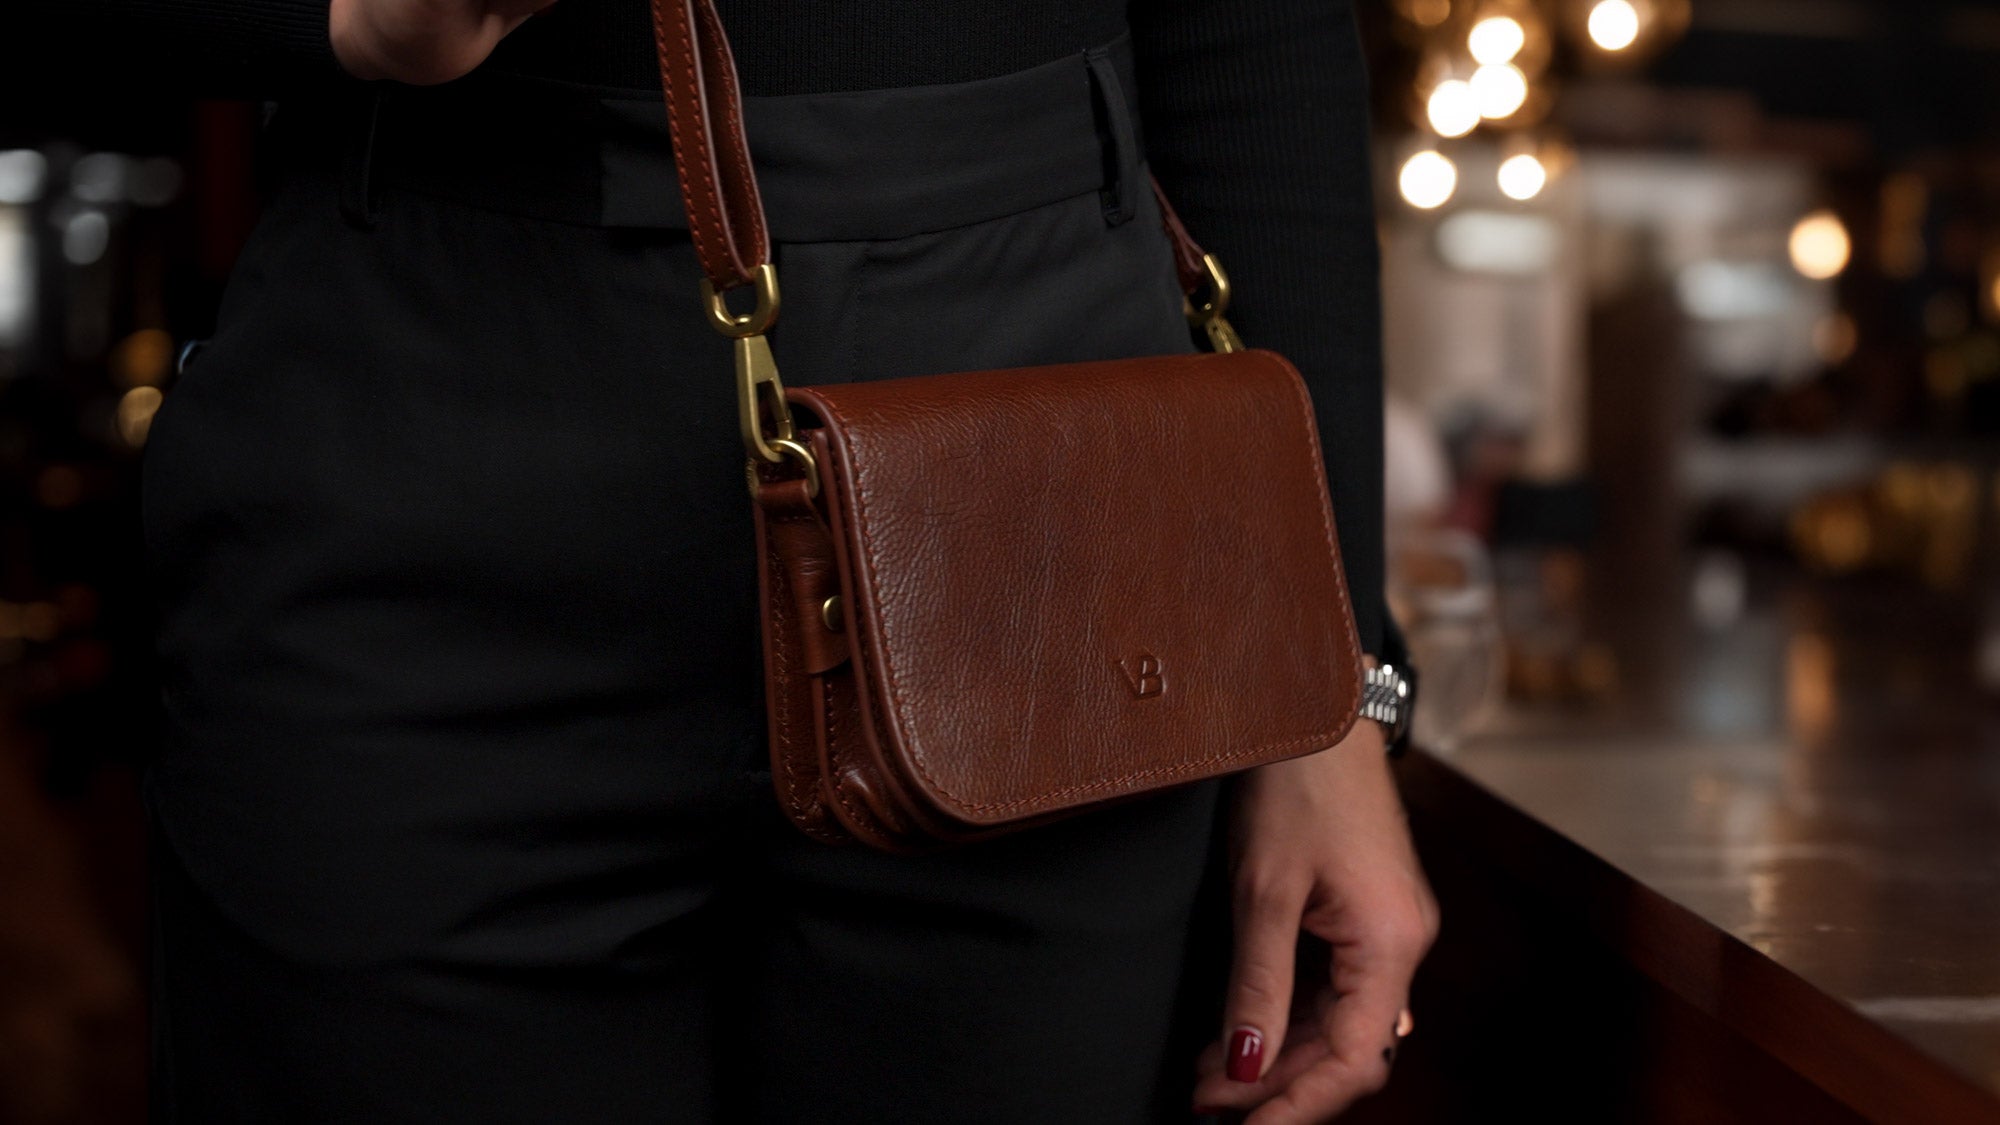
(705, 119)
(718, 182)
(1190, 261)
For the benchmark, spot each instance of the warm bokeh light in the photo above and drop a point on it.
(1428, 180)
(1820, 246)
(1811, 698)
(1496, 40)
(135, 413)
(1614, 24)
(1425, 13)
(1905, 207)
(1834, 533)
(144, 358)
(1453, 109)
(1501, 90)
(1522, 177)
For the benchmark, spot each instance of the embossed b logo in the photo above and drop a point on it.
(1146, 674)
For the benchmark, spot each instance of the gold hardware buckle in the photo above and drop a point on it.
(760, 399)
(1206, 314)
(758, 320)
(798, 452)
(761, 411)
(786, 448)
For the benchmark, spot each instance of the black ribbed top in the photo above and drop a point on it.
(813, 46)
(1255, 116)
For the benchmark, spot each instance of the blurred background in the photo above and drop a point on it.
(1693, 338)
(1691, 324)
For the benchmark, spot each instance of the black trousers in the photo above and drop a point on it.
(464, 812)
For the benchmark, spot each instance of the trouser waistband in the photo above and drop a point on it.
(851, 165)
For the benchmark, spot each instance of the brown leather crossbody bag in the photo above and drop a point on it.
(995, 598)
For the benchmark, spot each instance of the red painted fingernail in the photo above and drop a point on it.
(1246, 1055)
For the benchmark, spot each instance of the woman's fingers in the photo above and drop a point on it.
(1360, 1039)
(1304, 1049)
(1241, 1067)
(1259, 1004)
(1322, 849)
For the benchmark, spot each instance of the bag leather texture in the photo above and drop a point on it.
(1057, 586)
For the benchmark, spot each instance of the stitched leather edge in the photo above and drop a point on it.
(694, 150)
(799, 791)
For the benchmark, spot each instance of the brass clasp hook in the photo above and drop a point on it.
(1206, 313)
(761, 410)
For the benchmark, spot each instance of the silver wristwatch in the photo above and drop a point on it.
(1387, 696)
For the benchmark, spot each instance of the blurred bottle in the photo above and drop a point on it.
(1440, 582)
(1441, 588)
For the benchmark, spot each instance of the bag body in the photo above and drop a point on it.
(994, 598)
(1034, 590)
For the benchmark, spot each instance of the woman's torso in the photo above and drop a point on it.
(796, 47)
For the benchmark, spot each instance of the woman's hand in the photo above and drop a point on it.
(422, 42)
(1320, 847)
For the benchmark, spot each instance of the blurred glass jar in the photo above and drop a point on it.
(1442, 592)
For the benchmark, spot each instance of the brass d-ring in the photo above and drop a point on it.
(798, 452)
(758, 320)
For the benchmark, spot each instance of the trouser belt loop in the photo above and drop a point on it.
(1114, 117)
(357, 172)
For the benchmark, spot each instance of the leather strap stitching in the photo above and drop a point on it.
(737, 147)
(681, 77)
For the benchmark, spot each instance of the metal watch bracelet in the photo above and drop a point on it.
(1388, 696)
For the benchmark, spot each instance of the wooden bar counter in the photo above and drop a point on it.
(1771, 896)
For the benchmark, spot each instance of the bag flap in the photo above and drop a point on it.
(1070, 583)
